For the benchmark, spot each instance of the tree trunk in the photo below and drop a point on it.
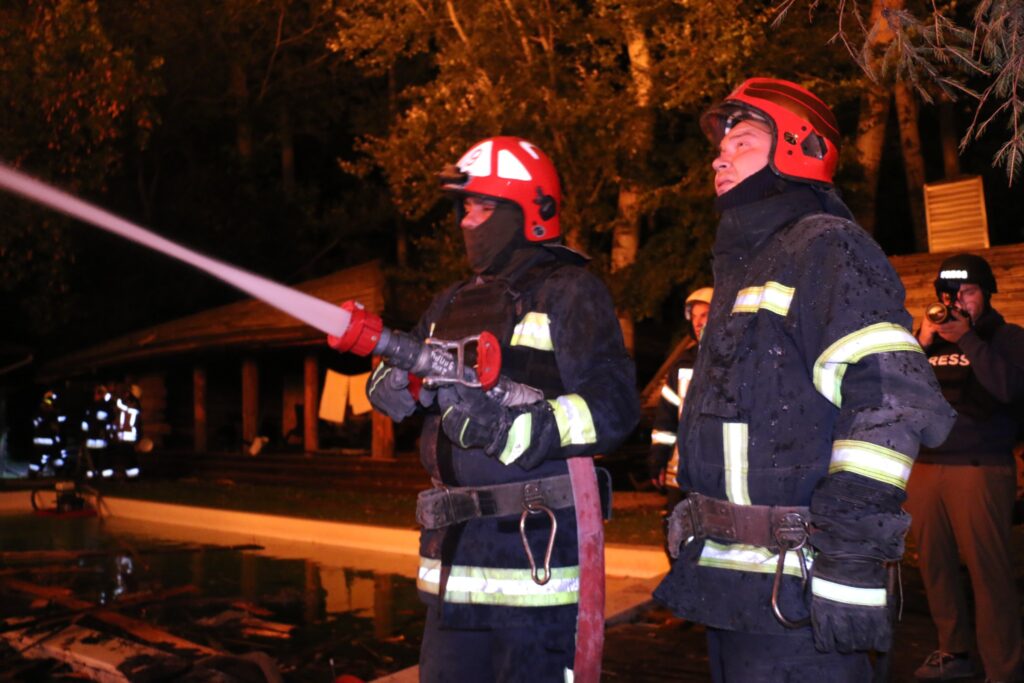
(913, 162)
(625, 243)
(287, 153)
(874, 113)
(243, 127)
(626, 235)
(949, 136)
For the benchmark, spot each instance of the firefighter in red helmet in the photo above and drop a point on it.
(809, 400)
(502, 560)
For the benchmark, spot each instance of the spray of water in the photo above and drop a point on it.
(315, 312)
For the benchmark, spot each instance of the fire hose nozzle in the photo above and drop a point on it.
(362, 334)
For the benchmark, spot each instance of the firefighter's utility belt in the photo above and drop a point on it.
(780, 529)
(437, 508)
(769, 526)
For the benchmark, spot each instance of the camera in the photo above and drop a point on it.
(939, 312)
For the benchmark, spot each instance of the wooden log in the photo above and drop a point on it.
(311, 403)
(250, 399)
(136, 627)
(98, 656)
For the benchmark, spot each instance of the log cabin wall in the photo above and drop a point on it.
(195, 368)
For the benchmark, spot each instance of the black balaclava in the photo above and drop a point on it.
(753, 188)
(766, 183)
(490, 244)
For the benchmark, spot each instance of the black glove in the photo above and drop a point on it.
(472, 420)
(388, 391)
(849, 605)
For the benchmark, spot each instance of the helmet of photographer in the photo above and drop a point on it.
(805, 134)
(961, 269)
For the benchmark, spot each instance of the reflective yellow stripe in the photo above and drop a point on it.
(670, 396)
(749, 558)
(534, 330)
(497, 586)
(663, 438)
(872, 461)
(851, 595)
(575, 425)
(519, 434)
(831, 365)
(734, 441)
(772, 297)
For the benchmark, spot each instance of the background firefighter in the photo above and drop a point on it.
(490, 617)
(97, 430)
(50, 438)
(663, 459)
(126, 430)
(809, 399)
(961, 494)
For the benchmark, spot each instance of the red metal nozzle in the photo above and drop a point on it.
(361, 335)
(488, 360)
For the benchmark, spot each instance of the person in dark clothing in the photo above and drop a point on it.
(663, 459)
(97, 433)
(961, 494)
(50, 442)
(809, 400)
(502, 557)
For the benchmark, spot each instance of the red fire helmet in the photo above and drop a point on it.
(515, 170)
(806, 136)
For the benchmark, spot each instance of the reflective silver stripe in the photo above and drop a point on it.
(851, 595)
(831, 365)
(42, 441)
(95, 443)
(684, 376)
(663, 438)
(773, 296)
(749, 558)
(497, 586)
(872, 461)
(734, 442)
(534, 330)
(575, 425)
(519, 434)
(670, 396)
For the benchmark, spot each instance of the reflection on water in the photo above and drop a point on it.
(306, 614)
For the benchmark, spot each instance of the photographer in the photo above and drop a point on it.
(961, 494)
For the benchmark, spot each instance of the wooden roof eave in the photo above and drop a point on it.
(245, 324)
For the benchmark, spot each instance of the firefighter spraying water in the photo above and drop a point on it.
(576, 396)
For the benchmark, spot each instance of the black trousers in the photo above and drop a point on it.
(530, 654)
(741, 657)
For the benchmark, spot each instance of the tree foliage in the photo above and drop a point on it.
(973, 49)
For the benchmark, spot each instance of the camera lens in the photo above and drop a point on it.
(938, 313)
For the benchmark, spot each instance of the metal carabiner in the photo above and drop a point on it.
(791, 535)
(533, 508)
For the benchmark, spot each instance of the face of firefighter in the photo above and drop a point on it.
(476, 210)
(489, 229)
(699, 317)
(969, 298)
(742, 152)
